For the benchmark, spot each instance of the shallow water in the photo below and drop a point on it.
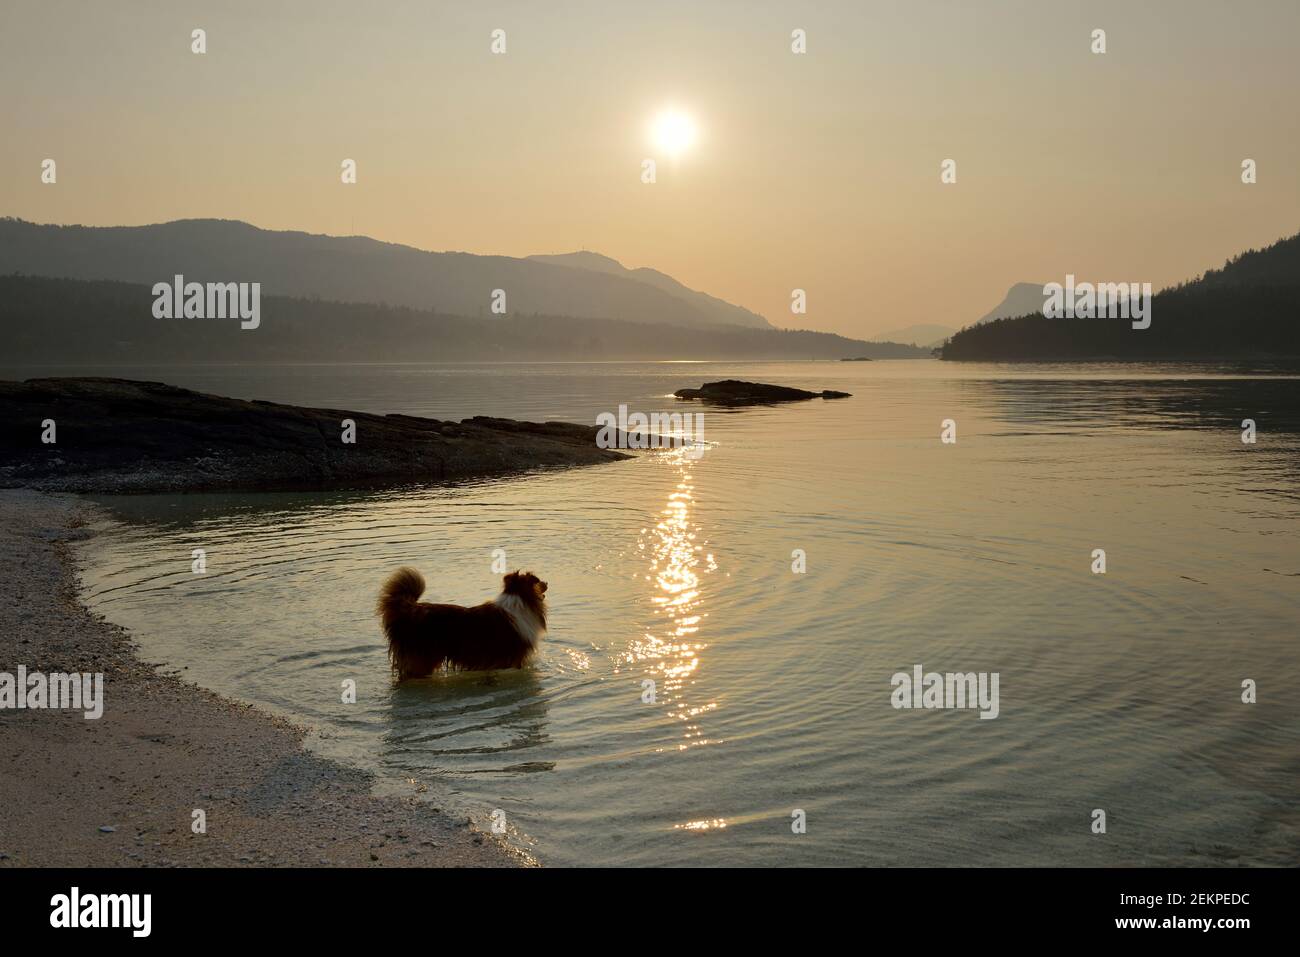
(772, 689)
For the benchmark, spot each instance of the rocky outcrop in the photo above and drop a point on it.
(118, 435)
(738, 392)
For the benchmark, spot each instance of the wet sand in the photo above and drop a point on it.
(164, 748)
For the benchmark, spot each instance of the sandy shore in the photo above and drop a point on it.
(164, 748)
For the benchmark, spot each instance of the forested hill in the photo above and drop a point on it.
(1249, 309)
(68, 321)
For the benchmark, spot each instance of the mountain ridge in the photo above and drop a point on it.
(354, 269)
(1022, 299)
(54, 321)
(726, 312)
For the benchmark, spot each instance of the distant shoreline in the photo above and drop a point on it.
(121, 791)
(1280, 360)
(341, 363)
(45, 321)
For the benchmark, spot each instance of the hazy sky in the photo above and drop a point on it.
(818, 171)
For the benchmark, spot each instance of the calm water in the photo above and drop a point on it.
(1118, 691)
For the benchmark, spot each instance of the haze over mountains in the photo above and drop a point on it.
(351, 298)
(927, 334)
(357, 269)
(1022, 299)
(78, 294)
(79, 322)
(724, 313)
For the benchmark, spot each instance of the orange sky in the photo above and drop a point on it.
(818, 171)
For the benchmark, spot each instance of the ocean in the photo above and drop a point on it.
(717, 684)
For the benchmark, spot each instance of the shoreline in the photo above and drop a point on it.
(98, 434)
(120, 791)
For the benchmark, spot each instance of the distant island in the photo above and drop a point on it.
(1248, 310)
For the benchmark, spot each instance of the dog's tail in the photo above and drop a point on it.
(403, 587)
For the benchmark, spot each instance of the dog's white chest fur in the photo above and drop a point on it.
(527, 624)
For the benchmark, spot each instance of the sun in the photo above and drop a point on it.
(674, 132)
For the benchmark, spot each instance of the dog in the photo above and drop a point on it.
(424, 637)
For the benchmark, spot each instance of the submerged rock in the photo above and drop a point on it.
(119, 435)
(737, 392)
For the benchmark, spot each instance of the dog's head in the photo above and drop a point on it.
(526, 585)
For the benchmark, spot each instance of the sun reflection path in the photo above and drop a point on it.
(670, 653)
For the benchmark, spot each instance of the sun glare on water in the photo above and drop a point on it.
(670, 653)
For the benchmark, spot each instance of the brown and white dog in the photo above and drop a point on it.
(423, 637)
